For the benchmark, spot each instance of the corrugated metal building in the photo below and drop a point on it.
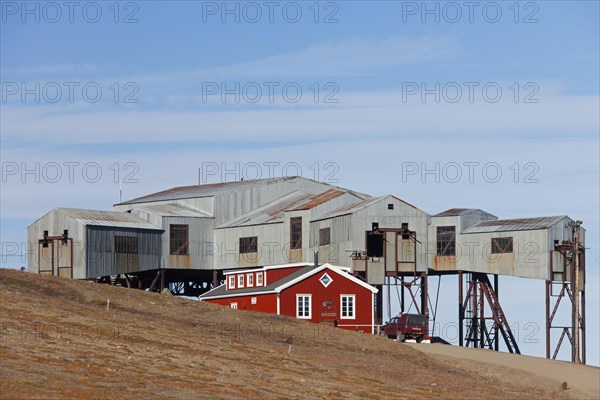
(84, 244)
(476, 241)
(245, 224)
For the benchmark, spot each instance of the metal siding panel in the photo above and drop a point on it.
(473, 217)
(530, 257)
(402, 213)
(201, 239)
(340, 240)
(103, 261)
(55, 222)
(272, 246)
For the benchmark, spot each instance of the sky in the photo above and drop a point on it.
(490, 105)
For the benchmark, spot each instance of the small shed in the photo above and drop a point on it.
(325, 294)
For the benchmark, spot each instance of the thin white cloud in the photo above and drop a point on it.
(375, 114)
(54, 69)
(348, 57)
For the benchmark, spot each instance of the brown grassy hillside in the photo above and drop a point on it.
(58, 340)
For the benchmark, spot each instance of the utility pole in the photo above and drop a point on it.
(575, 356)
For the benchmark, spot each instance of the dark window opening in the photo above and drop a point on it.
(374, 245)
(390, 206)
(126, 244)
(179, 240)
(249, 244)
(324, 236)
(502, 245)
(405, 231)
(446, 241)
(296, 233)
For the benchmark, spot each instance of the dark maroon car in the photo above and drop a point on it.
(407, 326)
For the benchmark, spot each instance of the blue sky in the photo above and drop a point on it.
(382, 85)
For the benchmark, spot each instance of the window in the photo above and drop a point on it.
(324, 236)
(249, 280)
(233, 305)
(446, 241)
(240, 280)
(296, 233)
(348, 301)
(178, 240)
(248, 244)
(303, 305)
(126, 244)
(390, 206)
(253, 300)
(325, 280)
(259, 279)
(405, 231)
(502, 245)
(232, 282)
(374, 245)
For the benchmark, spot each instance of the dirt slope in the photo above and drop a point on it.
(583, 382)
(58, 340)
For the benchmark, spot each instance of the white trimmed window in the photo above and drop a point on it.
(240, 280)
(303, 306)
(348, 302)
(232, 282)
(259, 279)
(253, 300)
(233, 305)
(325, 279)
(249, 280)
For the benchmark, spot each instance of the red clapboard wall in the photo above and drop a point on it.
(325, 299)
(264, 303)
(363, 308)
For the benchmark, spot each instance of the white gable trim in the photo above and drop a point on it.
(337, 270)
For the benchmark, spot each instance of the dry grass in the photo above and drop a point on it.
(57, 340)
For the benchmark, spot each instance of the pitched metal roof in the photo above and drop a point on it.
(318, 199)
(215, 189)
(350, 208)
(517, 224)
(108, 218)
(172, 210)
(208, 190)
(270, 213)
(455, 212)
(274, 211)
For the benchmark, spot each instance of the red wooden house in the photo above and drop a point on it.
(323, 294)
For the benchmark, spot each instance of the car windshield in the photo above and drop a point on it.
(415, 319)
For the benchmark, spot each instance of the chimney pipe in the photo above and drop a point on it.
(316, 259)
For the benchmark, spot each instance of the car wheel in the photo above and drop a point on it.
(400, 337)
